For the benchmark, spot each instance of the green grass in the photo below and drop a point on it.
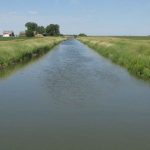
(14, 38)
(16, 50)
(131, 52)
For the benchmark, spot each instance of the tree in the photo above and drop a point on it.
(82, 34)
(29, 33)
(57, 30)
(40, 30)
(53, 30)
(31, 28)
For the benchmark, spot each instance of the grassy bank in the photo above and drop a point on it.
(132, 53)
(14, 51)
(14, 38)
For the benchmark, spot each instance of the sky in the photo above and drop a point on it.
(93, 17)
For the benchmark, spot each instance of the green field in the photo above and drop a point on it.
(14, 50)
(14, 38)
(131, 52)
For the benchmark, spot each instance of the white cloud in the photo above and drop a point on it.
(12, 12)
(31, 12)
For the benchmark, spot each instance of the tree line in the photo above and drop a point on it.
(32, 29)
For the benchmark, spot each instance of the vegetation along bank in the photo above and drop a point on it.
(131, 52)
(17, 50)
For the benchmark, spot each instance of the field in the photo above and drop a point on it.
(131, 52)
(14, 50)
(13, 38)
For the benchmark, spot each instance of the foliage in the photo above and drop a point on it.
(29, 33)
(82, 34)
(53, 30)
(31, 26)
(40, 30)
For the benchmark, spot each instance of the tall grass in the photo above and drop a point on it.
(132, 53)
(14, 51)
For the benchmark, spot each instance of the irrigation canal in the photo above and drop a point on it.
(74, 99)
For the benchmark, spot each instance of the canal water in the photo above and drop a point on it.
(73, 99)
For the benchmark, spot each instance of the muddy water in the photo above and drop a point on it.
(73, 99)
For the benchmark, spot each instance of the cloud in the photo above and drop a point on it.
(12, 13)
(31, 12)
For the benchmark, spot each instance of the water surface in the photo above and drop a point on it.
(74, 99)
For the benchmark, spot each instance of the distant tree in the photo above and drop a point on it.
(82, 34)
(29, 33)
(40, 30)
(53, 30)
(57, 29)
(31, 28)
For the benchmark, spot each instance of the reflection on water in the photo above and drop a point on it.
(74, 99)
